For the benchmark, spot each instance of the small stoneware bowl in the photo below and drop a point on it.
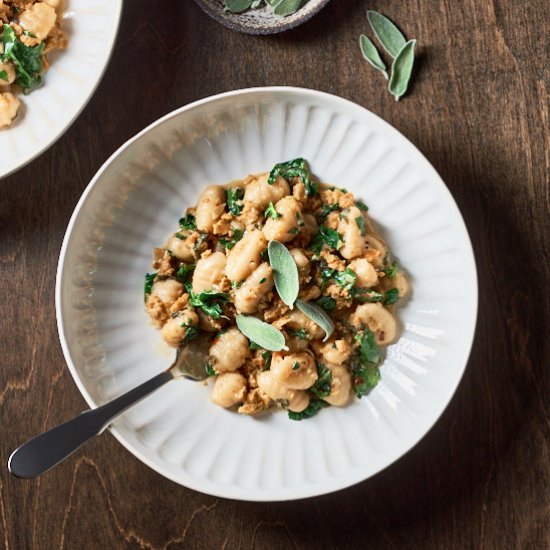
(260, 21)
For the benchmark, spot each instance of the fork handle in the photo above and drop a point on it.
(48, 449)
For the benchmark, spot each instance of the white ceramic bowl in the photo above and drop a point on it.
(68, 84)
(133, 204)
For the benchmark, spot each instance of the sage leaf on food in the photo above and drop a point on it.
(388, 34)
(238, 6)
(262, 334)
(285, 272)
(401, 70)
(371, 54)
(318, 316)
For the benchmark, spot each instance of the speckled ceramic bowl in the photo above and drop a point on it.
(260, 21)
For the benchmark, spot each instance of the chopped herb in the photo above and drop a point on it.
(326, 274)
(326, 209)
(234, 200)
(293, 230)
(148, 286)
(364, 365)
(210, 370)
(183, 272)
(270, 211)
(3, 75)
(323, 386)
(28, 61)
(299, 219)
(360, 221)
(297, 168)
(326, 302)
(312, 409)
(345, 279)
(236, 284)
(230, 243)
(391, 271)
(264, 255)
(325, 236)
(300, 333)
(296, 365)
(361, 205)
(180, 236)
(253, 346)
(266, 356)
(188, 222)
(209, 301)
(366, 295)
(262, 281)
(392, 296)
(191, 333)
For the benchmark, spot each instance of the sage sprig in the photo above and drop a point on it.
(285, 272)
(262, 334)
(401, 50)
(318, 316)
(388, 34)
(371, 54)
(280, 7)
(401, 70)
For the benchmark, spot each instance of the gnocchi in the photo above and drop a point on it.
(29, 29)
(216, 270)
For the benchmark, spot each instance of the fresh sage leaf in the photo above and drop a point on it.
(401, 70)
(238, 6)
(388, 34)
(371, 54)
(262, 334)
(287, 7)
(318, 315)
(285, 272)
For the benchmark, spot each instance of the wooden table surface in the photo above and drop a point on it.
(478, 110)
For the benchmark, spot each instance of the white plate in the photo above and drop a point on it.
(68, 84)
(133, 204)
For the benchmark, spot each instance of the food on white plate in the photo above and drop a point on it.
(291, 282)
(29, 30)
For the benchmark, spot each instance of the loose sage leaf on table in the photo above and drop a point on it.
(285, 272)
(318, 315)
(238, 6)
(401, 70)
(388, 34)
(262, 334)
(371, 54)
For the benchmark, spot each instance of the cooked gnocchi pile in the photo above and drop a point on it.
(29, 30)
(292, 284)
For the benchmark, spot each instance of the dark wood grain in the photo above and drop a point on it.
(479, 111)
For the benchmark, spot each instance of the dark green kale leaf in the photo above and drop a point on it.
(391, 297)
(345, 279)
(234, 200)
(148, 286)
(365, 364)
(326, 302)
(300, 333)
(209, 301)
(297, 168)
(184, 271)
(230, 243)
(28, 61)
(325, 237)
(392, 270)
(323, 386)
(312, 409)
(188, 222)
